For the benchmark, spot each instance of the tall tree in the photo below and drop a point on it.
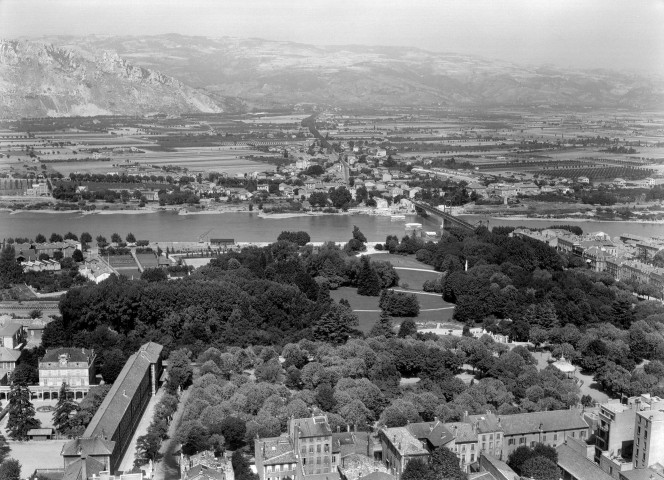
(179, 369)
(10, 470)
(63, 409)
(383, 327)
(40, 238)
(21, 413)
(446, 464)
(368, 281)
(10, 270)
(407, 328)
(540, 468)
(336, 325)
(130, 238)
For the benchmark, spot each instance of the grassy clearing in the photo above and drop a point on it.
(368, 318)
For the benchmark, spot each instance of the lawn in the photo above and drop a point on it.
(404, 261)
(367, 310)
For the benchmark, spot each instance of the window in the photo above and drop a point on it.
(638, 431)
(583, 434)
(532, 444)
(327, 448)
(645, 434)
(510, 441)
(522, 440)
(644, 456)
(573, 434)
(311, 449)
(303, 450)
(472, 457)
(270, 468)
(317, 448)
(472, 447)
(483, 446)
(555, 437)
(543, 438)
(497, 436)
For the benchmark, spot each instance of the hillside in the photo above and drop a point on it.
(38, 79)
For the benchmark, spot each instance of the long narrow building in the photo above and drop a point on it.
(105, 440)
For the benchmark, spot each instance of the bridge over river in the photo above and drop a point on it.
(448, 219)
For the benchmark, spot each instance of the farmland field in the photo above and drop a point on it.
(601, 173)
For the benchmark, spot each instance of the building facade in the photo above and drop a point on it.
(73, 366)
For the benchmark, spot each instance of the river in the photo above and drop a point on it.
(249, 227)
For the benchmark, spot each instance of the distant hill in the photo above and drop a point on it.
(175, 73)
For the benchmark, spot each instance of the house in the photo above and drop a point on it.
(306, 451)
(73, 366)
(8, 358)
(399, 447)
(584, 180)
(13, 335)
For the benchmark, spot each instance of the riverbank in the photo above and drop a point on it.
(563, 219)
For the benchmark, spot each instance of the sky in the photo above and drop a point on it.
(625, 35)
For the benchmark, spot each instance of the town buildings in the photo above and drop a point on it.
(306, 452)
(491, 434)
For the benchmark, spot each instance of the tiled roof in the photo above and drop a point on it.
(404, 441)
(578, 465)
(117, 400)
(551, 421)
(10, 329)
(73, 471)
(74, 354)
(312, 427)
(88, 446)
(9, 355)
(499, 466)
(434, 432)
(462, 432)
(277, 450)
(641, 474)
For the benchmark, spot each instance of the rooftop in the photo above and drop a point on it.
(10, 329)
(434, 432)
(118, 399)
(88, 446)
(551, 421)
(312, 427)
(277, 450)
(9, 354)
(578, 465)
(73, 355)
(404, 441)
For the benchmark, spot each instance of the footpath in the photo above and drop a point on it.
(167, 468)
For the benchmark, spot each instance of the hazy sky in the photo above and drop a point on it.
(619, 34)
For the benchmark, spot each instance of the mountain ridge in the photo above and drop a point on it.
(193, 73)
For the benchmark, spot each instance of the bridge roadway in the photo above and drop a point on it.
(447, 218)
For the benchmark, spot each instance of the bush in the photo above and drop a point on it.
(399, 304)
